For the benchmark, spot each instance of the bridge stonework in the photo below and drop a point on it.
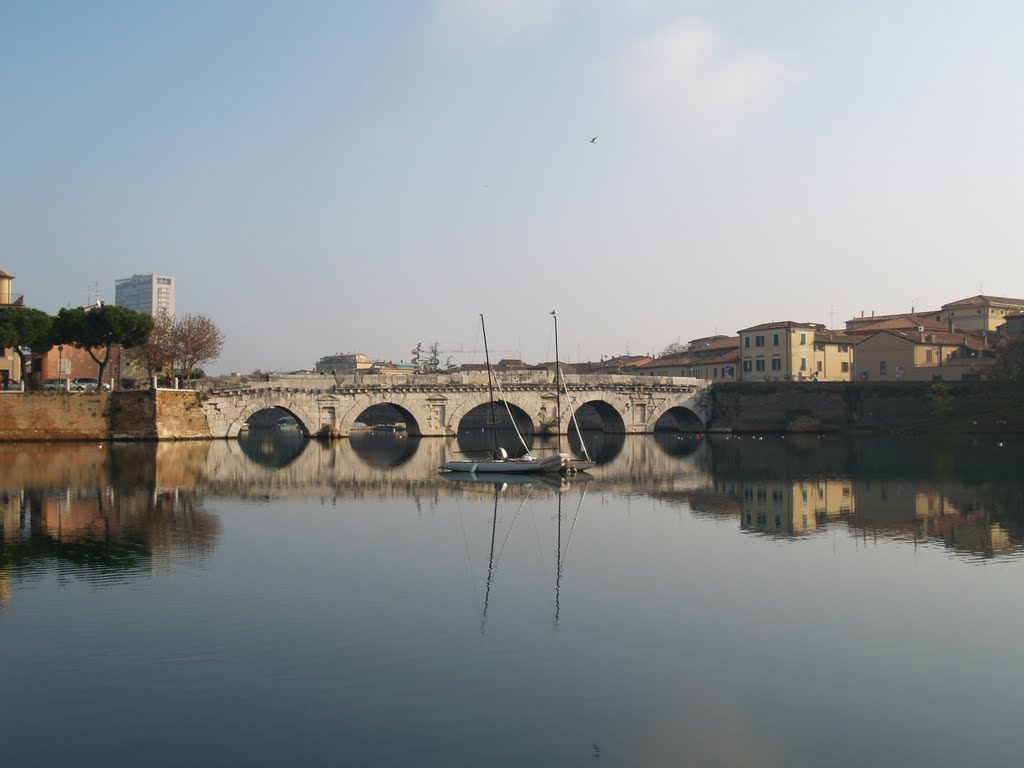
(435, 404)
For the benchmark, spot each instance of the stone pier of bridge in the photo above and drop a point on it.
(436, 404)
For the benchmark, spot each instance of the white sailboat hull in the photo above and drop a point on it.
(551, 463)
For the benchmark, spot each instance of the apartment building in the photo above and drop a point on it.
(151, 294)
(791, 351)
(922, 355)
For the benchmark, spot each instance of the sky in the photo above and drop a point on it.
(327, 176)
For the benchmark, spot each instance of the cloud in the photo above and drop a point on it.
(499, 20)
(688, 76)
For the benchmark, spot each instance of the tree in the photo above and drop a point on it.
(102, 328)
(197, 340)
(675, 348)
(157, 354)
(1009, 364)
(25, 328)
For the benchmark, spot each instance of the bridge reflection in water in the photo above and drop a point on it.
(121, 507)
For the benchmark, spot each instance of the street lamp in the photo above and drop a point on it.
(60, 362)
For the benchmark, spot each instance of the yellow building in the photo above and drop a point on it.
(833, 356)
(922, 355)
(789, 351)
(10, 362)
(977, 314)
(794, 507)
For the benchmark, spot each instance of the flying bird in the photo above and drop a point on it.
(594, 140)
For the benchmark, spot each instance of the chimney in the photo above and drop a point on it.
(872, 313)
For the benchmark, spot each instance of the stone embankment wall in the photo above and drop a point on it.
(144, 415)
(834, 407)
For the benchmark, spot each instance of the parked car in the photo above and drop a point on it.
(85, 384)
(53, 384)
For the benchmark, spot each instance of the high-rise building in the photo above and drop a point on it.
(152, 294)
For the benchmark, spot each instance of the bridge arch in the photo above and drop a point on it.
(595, 415)
(678, 418)
(416, 416)
(300, 413)
(682, 414)
(526, 417)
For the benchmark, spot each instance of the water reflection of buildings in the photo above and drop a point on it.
(953, 516)
(956, 516)
(791, 507)
(97, 512)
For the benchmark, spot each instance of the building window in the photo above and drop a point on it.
(820, 364)
(928, 355)
(803, 363)
(759, 364)
(746, 342)
(775, 339)
(776, 363)
(803, 338)
(881, 368)
(845, 367)
(746, 366)
(759, 341)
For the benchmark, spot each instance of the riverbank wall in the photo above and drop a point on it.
(102, 416)
(891, 408)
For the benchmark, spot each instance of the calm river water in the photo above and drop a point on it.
(695, 601)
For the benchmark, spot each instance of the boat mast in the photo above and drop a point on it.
(490, 391)
(558, 387)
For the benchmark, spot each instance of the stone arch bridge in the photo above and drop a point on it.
(436, 404)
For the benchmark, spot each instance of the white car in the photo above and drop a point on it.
(86, 384)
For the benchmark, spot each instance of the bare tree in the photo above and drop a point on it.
(197, 340)
(157, 354)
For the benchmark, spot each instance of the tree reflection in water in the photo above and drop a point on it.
(104, 531)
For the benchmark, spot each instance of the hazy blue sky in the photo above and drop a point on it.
(359, 176)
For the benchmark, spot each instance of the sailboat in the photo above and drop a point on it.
(500, 462)
(569, 464)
